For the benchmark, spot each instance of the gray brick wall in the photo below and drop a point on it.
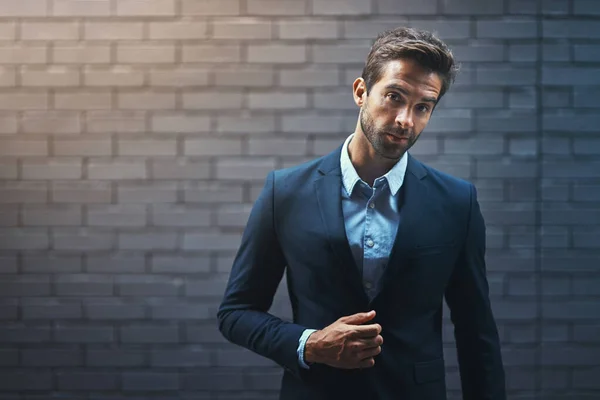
(136, 134)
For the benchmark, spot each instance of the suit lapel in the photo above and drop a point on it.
(412, 205)
(328, 190)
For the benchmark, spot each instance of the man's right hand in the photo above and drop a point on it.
(346, 343)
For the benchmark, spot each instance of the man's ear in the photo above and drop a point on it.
(359, 89)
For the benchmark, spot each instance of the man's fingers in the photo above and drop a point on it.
(366, 363)
(369, 353)
(357, 319)
(366, 331)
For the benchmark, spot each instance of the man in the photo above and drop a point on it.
(373, 241)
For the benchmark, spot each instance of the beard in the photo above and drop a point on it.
(383, 145)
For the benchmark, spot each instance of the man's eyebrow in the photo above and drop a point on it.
(404, 92)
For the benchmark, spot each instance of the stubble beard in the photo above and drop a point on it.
(378, 138)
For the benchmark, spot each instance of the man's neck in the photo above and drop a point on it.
(368, 164)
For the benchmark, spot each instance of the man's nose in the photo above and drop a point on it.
(404, 118)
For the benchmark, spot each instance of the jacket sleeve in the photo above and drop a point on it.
(255, 275)
(475, 330)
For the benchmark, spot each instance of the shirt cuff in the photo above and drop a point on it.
(301, 345)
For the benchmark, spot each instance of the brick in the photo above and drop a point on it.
(241, 358)
(118, 76)
(179, 77)
(25, 285)
(469, 97)
(391, 7)
(212, 192)
(242, 29)
(212, 147)
(276, 7)
(203, 333)
(586, 53)
(51, 357)
(507, 29)
(522, 190)
(115, 263)
(148, 240)
(9, 168)
(82, 239)
(508, 214)
(571, 28)
(522, 53)
(51, 263)
(82, 53)
(119, 357)
(81, 8)
(586, 7)
(513, 310)
(81, 192)
(334, 100)
(523, 98)
(213, 100)
(51, 169)
(153, 286)
(23, 192)
(14, 380)
(505, 75)
(308, 29)
(181, 168)
(147, 192)
(586, 333)
(244, 77)
(169, 310)
(213, 379)
(246, 123)
(244, 168)
(150, 381)
(188, 356)
(140, 53)
(20, 148)
(145, 8)
(179, 123)
(177, 263)
(586, 286)
(586, 237)
(444, 29)
(80, 380)
(116, 121)
(82, 147)
(22, 101)
(52, 215)
(510, 121)
(116, 170)
(342, 53)
(471, 7)
(370, 28)
(25, 332)
(570, 310)
(478, 145)
(211, 54)
(49, 31)
(149, 333)
(586, 378)
(23, 54)
(233, 216)
(276, 54)
(178, 30)
(49, 308)
(277, 100)
(9, 216)
(24, 8)
(116, 215)
(53, 122)
(8, 31)
(8, 122)
(522, 147)
(309, 122)
(177, 215)
(277, 145)
(586, 192)
(476, 52)
(553, 260)
(555, 237)
(584, 97)
(556, 52)
(83, 100)
(113, 30)
(571, 169)
(560, 214)
(79, 333)
(211, 241)
(556, 145)
(147, 147)
(210, 7)
(83, 285)
(570, 76)
(339, 7)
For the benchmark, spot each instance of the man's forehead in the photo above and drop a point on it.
(405, 72)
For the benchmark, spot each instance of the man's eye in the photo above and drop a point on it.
(393, 96)
(423, 108)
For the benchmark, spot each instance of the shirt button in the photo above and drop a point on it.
(370, 243)
(372, 205)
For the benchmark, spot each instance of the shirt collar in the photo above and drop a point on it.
(394, 177)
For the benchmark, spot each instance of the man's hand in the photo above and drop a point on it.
(346, 343)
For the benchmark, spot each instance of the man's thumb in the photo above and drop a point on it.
(359, 318)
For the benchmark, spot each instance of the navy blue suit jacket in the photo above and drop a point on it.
(296, 225)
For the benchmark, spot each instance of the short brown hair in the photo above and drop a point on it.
(421, 46)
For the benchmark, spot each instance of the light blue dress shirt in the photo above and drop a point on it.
(371, 219)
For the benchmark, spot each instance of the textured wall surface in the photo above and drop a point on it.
(136, 134)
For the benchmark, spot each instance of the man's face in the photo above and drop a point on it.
(398, 107)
